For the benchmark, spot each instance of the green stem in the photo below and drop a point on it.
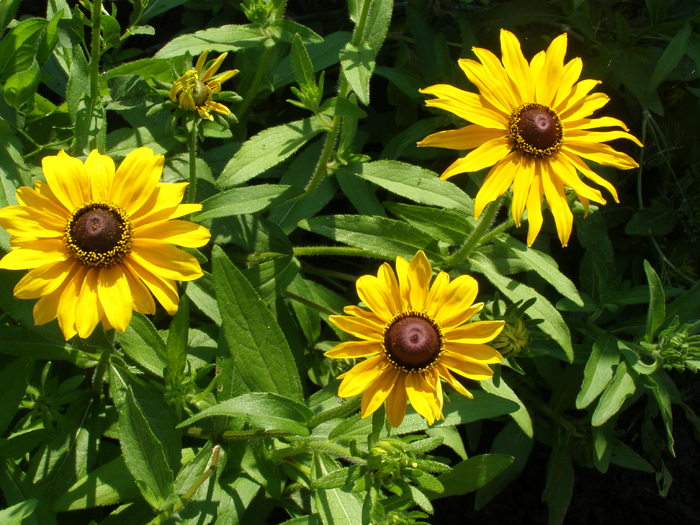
(192, 150)
(102, 364)
(301, 251)
(476, 236)
(231, 435)
(94, 67)
(508, 224)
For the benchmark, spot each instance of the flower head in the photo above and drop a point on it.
(413, 336)
(98, 241)
(195, 90)
(531, 122)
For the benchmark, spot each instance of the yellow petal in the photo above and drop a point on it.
(570, 74)
(46, 308)
(466, 367)
(377, 392)
(483, 353)
(580, 135)
(562, 169)
(466, 105)
(402, 266)
(142, 300)
(182, 233)
(214, 67)
(600, 153)
(516, 66)
(453, 304)
(184, 209)
(47, 206)
(548, 79)
(218, 107)
(87, 314)
(495, 76)
(34, 254)
(396, 401)
(68, 302)
(201, 61)
(484, 156)
(589, 123)
(31, 222)
(164, 290)
(359, 377)
(576, 98)
(534, 205)
(419, 274)
(587, 172)
(422, 396)
(377, 297)
(136, 179)
(362, 328)
(468, 137)
(591, 103)
(524, 169)
(165, 261)
(387, 277)
(476, 333)
(161, 204)
(556, 198)
(44, 279)
(223, 77)
(489, 85)
(115, 296)
(67, 179)
(100, 171)
(453, 381)
(496, 183)
(354, 349)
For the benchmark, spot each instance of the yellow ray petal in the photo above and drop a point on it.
(452, 306)
(46, 308)
(419, 274)
(587, 172)
(387, 277)
(466, 105)
(466, 367)
(218, 107)
(489, 85)
(496, 183)
(87, 314)
(165, 261)
(161, 204)
(46, 206)
(359, 377)
(578, 94)
(115, 296)
(100, 171)
(201, 60)
(534, 205)
(164, 290)
(136, 179)
(589, 123)
(354, 349)
(468, 137)
(549, 77)
(67, 179)
(453, 381)
(31, 222)
(421, 395)
(516, 66)
(476, 333)
(182, 233)
(140, 295)
(401, 266)
(556, 198)
(483, 353)
(362, 328)
(560, 168)
(43, 280)
(377, 297)
(396, 401)
(34, 254)
(523, 172)
(377, 392)
(213, 68)
(600, 153)
(580, 135)
(570, 74)
(68, 302)
(591, 103)
(484, 156)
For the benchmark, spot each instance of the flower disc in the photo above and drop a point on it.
(99, 234)
(535, 130)
(413, 342)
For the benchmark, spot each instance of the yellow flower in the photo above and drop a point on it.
(98, 242)
(414, 335)
(195, 90)
(531, 123)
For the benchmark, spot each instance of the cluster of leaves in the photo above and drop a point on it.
(228, 412)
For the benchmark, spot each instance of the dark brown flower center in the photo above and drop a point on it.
(98, 234)
(412, 342)
(535, 129)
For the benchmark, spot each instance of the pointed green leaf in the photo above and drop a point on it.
(620, 388)
(472, 473)
(599, 370)
(657, 302)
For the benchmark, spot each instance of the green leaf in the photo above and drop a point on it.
(20, 342)
(144, 453)
(552, 322)
(559, 486)
(412, 182)
(239, 201)
(142, 343)
(521, 416)
(301, 63)
(472, 473)
(652, 221)
(108, 484)
(663, 388)
(599, 370)
(286, 30)
(544, 265)
(20, 86)
(449, 226)
(267, 149)
(14, 377)
(223, 38)
(334, 505)
(176, 348)
(671, 57)
(379, 237)
(16, 514)
(620, 388)
(657, 302)
(263, 410)
(258, 347)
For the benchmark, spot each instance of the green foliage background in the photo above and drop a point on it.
(227, 413)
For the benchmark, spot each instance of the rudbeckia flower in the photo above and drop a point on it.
(413, 335)
(531, 123)
(195, 90)
(99, 242)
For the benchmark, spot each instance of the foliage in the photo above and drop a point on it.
(227, 412)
